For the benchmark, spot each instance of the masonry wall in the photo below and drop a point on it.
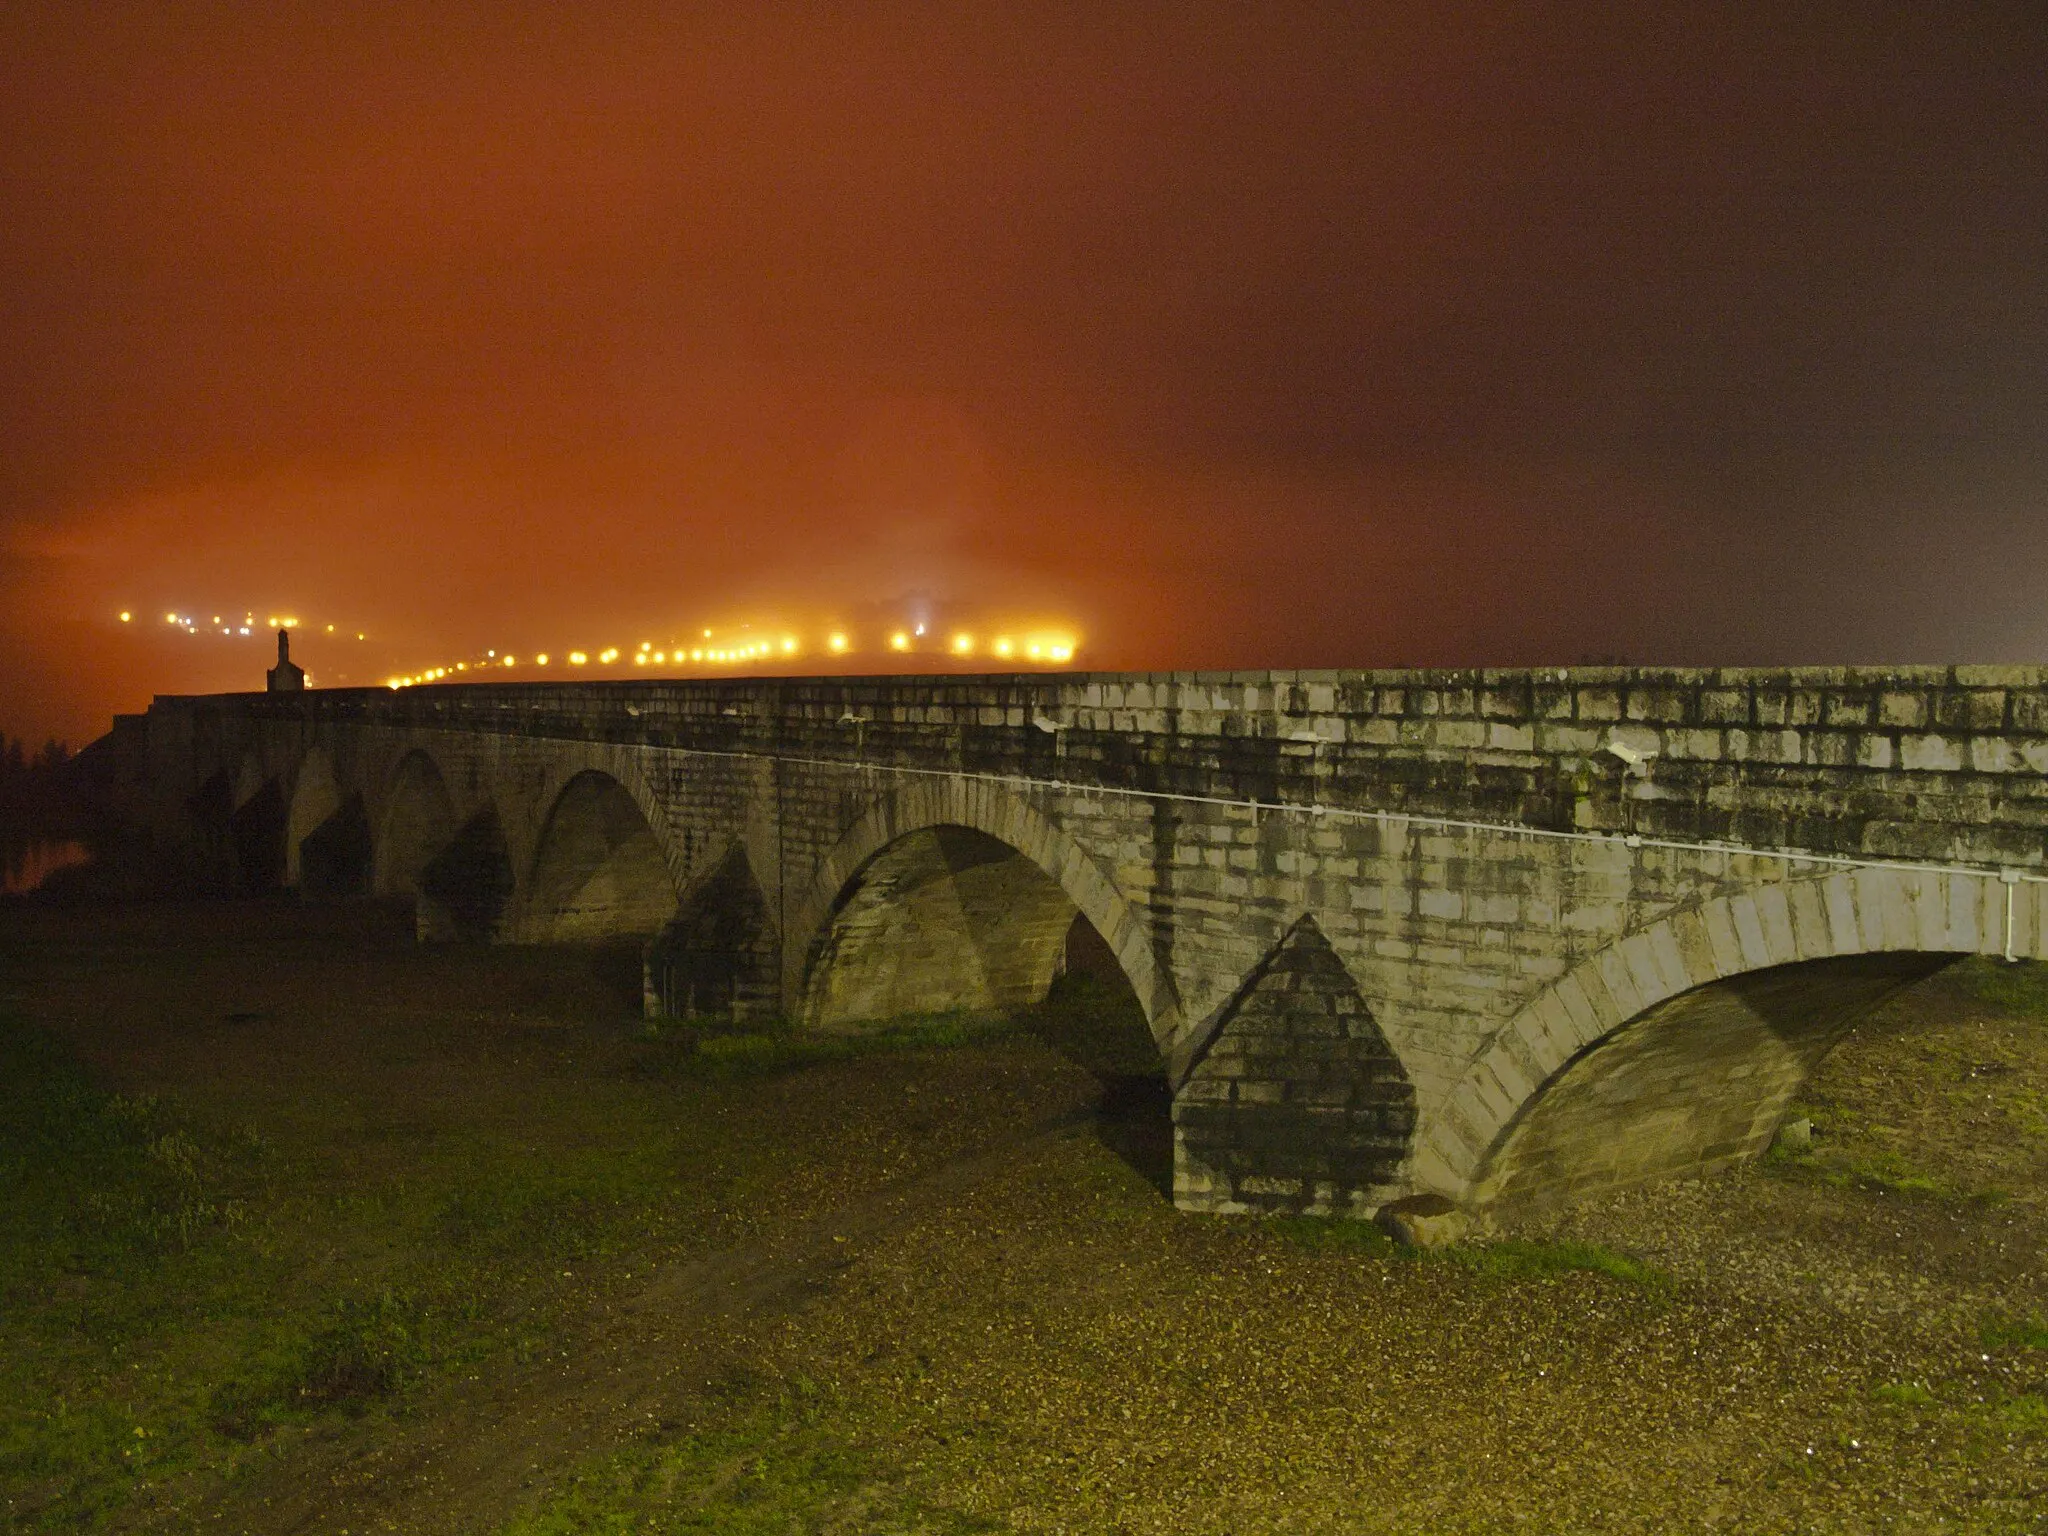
(1212, 803)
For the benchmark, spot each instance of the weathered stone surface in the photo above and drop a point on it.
(1794, 1137)
(1423, 1221)
(1314, 1092)
(1381, 923)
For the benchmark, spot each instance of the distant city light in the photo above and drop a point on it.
(1044, 647)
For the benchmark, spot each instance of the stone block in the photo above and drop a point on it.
(1725, 706)
(1668, 706)
(1929, 754)
(1775, 917)
(1970, 709)
(2029, 711)
(1749, 932)
(1902, 709)
(1510, 738)
(1423, 1221)
(1699, 746)
(1993, 754)
(1847, 710)
(1598, 704)
(1439, 902)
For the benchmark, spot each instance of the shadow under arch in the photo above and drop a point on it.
(598, 872)
(719, 957)
(417, 824)
(256, 828)
(327, 848)
(1677, 1048)
(956, 894)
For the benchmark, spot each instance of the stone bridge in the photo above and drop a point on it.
(1501, 935)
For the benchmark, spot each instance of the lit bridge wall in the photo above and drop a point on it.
(1393, 931)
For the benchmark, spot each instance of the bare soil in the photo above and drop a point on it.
(623, 1287)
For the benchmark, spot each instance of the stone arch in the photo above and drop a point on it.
(418, 822)
(315, 798)
(599, 870)
(570, 761)
(1678, 1046)
(1033, 877)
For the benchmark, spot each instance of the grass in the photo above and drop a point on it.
(682, 1048)
(2002, 1332)
(781, 1460)
(176, 1292)
(173, 1292)
(2020, 990)
(1513, 1261)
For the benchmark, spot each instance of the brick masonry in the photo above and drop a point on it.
(1510, 974)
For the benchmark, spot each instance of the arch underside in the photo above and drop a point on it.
(1695, 1083)
(944, 919)
(419, 822)
(599, 872)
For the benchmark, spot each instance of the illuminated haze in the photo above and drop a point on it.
(1228, 337)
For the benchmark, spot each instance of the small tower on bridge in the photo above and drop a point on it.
(287, 676)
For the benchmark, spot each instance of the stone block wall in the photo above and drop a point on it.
(1465, 845)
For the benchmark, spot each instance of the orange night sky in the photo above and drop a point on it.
(1224, 336)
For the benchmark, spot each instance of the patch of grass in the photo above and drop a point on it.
(2001, 1332)
(171, 1293)
(770, 1047)
(365, 1350)
(2021, 1413)
(789, 1463)
(1904, 1394)
(1881, 1172)
(1512, 1259)
(2020, 990)
(97, 1182)
(110, 1202)
(1517, 1260)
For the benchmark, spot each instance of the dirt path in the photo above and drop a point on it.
(465, 1460)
